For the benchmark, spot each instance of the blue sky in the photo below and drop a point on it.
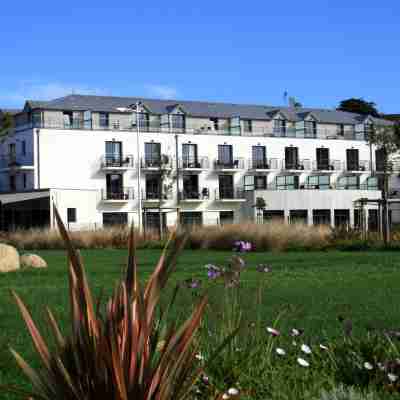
(247, 52)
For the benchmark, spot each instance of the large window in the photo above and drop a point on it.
(225, 155)
(298, 217)
(151, 221)
(226, 188)
(152, 154)
(193, 218)
(247, 125)
(273, 215)
(342, 218)
(292, 158)
(189, 155)
(226, 217)
(191, 187)
(115, 218)
(310, 129)
(321, 217)
(255, 182)
(143, 121)
(287, 182)
(259, 157)
(280, 127)
(104, 120)
(153, 186)
(36, 119)
(348, 182)
(178, 122)
(114, 186)
(113, 154)
(372, 183)
(318, 182)
(71, 215)
(323, 159)
(380, 160)
(352, 160)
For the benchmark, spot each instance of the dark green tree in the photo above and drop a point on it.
(359, 106)
(6, 123)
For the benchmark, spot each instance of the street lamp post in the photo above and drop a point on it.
(139, 176)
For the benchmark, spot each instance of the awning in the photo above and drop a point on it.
(23, 196)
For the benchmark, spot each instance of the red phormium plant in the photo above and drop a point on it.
(123, 352)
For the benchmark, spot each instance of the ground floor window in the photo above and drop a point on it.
(226, 217)
(274, 215)
(318, 182)
(287, 182)
(115, 218)
(151, 220)
(298, 216)
(191, 218)
(321, 217)
(373, 220)
(342, 218)
(71, 214)
(373, 183)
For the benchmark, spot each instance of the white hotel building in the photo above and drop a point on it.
(99, 160)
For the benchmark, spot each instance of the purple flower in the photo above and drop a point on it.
(192, 283)
(213, 272)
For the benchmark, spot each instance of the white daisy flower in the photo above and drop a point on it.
(368, 366)
(199, 357)
(233, 392)
(381, 366)
(303, 362)
(273, 331)
(280, 351)
(305, 349)
(225, 396)
(392, 377)
(294, 343)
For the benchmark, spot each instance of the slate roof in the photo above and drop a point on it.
(195, 108)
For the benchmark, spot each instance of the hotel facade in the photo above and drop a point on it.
(116, 160)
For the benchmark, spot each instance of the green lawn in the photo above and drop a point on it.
(312, 287)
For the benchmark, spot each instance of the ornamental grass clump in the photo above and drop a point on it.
(122, 351)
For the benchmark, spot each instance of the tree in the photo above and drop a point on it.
(358, 106)
(387, 139)
(6, 123)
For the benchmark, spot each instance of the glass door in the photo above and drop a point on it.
(189, 156)
(152, 154)
(259, 159)
(113, 154)
(114, 186)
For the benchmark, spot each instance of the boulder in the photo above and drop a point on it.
(32, 261)
(9, 258)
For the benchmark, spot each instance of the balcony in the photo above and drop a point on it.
(229, 166)
(266, 165)
(116, 163)
(191, 196)
(122, 195)
(17, 161)
(330, 167)
(230, 195)
(194, 164)
(155, 164)
(153, 197)
(358, 168)
(297, 167)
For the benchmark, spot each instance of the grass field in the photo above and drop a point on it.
(313, 289)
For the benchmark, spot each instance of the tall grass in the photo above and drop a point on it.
(271, 236)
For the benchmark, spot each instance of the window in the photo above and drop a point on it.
(279, 126)
(373, 220)
(342, 218)
(114, 185)
(368, 129)
(247, 125)
(380, 160)
(287, 182)
(226, 189)
(143, 121)
(12, 150)
(321, 217)
(23, 148)
(348, 182)
(151, 221)
(215, 124)
(340, 130)
(318, 182)
(358, 218)
(71, 215)
(352, 160)
(178, 122)
(12, 183)
(372, 183)
(189, 155)
(323, 159)
(225, 155)
(113, 154)
(36, 119)
(298, 216)
(226, 217)
(104, 120)
(152, 154)
(153, 186)
(115, 218)
(273, 215)
(190, 219)
(310, 129)
(260, 182)
(191, 187)
(259, 157)
(24, 181)
(292, 158)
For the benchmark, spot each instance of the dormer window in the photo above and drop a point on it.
(104, 120)
(247, 125)
(178, 122)
(280, 126)
(368, 128)
(143, 120)
(310, 128)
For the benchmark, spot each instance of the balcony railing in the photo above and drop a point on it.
(236, 163)
(301, 165)
(267, 164)
(229, 194)
(204, 194)
(154, 195)
(363, 165)
(121, 194)
(162, 162)
(128, 125)
(16, 160)
(331, 165)
(194, 163)
(113, 161)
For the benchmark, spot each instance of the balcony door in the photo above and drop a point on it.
(113, 153)
(380, 160)
(153, 187)
(352, 160)
(152, 154)
(115, 185)
(291, 157)
(323, 158)
(189, 155)
(226, 189)
(225, 155)
(259, 156)
(191, 186)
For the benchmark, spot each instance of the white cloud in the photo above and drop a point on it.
(35, 90)
(162, 91)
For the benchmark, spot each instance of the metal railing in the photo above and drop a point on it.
(162, 162)
(229, 194)
(267, 164)
(155, 195)
(114, 161)
(125, 194)
(194, 194)
(301, 165)
(194, 163)
(331, 165)
(129, 125)
(235, 163)
(363, 165)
